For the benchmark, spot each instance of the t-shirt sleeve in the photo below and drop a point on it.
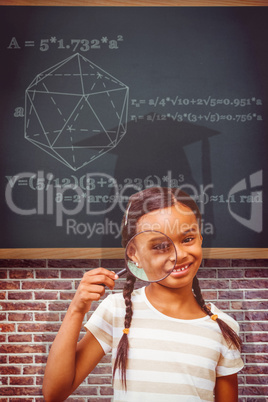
(100, 324)
(230, 361)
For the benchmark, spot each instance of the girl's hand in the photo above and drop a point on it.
(91, 288)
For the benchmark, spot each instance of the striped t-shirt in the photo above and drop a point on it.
(169, 359)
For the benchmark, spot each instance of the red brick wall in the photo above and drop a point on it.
(34, 295)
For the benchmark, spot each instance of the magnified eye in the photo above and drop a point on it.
(164, 246)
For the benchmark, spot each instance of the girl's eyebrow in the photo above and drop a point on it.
(192, 230)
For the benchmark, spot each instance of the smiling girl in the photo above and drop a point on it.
(167, 344)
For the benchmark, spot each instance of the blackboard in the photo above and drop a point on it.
(99, 102)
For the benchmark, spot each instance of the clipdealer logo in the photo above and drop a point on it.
(255, 221)
(50, 200)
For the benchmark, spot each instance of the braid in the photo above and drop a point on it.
(228, 333)
(122, 348)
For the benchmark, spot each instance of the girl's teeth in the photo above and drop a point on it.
(180, 269)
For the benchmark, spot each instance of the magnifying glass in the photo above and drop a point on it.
(150, 256)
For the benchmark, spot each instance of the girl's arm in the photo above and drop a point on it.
(226, 388)
(68, 362)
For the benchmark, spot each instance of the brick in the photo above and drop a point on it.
(3, 381)
(112, 264)
(33, 370)
(71, 273)
(256, 315)
(107, 358)
(21, 359)
(44, 338)
(20, 338)
(236, 315)
(46, 316)
(7, 285)
(250, 263)
(256, 294)
(25, 400)
(101, 399)
(3, 273)
(251, 390)
(102, 370)
(99, 380)
(254, 399)
(3, 359)
(21, 380)
(256, 358)
(43, 295)
(46, 274)
(9, 370)
(84, 390)
(249, 305)
(2, 338)
(47, 285)
(22, 263)
(206, 273)
(255, 370)
(77, 263)
(257, 337)
(252, 348)
(3, 316)
(20, 316)
(223, 304)
(210, 295)
(250, 284)
(216, 262)
(21, 391)
(40, 359)
(22, 306)
(214, 284)
(254, 326)
(230, 273)
(106, 391)
(7, 348)
(20, 295)
(230, 294)
(21, 274)
(38, 327)
(256, 273)
(7, 327)
(2, 295)
(58, 306)
(67, 295)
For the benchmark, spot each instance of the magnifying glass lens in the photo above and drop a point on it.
(150, 256)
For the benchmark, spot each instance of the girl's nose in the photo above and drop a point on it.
(181, 253)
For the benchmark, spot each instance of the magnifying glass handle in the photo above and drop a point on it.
(122, 272)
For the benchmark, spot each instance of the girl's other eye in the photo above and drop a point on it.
(188, 239)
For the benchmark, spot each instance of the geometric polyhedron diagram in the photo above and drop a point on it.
(75, 111)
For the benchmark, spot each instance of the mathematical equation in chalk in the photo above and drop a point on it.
(207, 102)
(42, 182)
(75, 45)
(193, 118)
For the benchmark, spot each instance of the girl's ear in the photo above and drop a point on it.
(132, 253)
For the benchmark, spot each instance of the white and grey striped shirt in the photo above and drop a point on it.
(169, 359)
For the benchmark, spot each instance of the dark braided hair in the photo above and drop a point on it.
(139, 204)
(228, 333)
(123, 346)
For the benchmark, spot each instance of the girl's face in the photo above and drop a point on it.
(180, 224)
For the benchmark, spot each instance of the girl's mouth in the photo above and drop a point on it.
(179, 270)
